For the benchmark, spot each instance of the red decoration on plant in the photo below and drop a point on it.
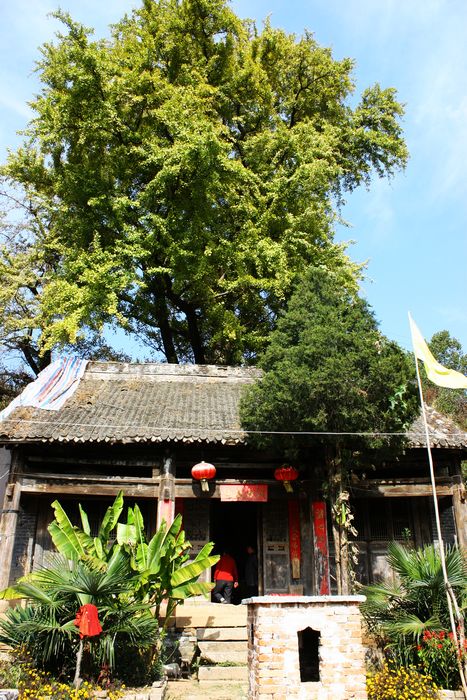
(87, 621)
(286, 474)
(202, 472)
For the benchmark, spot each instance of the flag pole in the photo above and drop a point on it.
(453, 606)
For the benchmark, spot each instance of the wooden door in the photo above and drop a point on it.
(196, 526)
(276, 564)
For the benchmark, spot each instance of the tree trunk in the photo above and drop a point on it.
(162, 315)
(192, 320)
(195, 336)
(79, 656)
(338, 498)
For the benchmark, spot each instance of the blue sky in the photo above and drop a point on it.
(412, 230)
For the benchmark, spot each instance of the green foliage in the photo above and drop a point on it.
(45, 627)
(162, 567)
(438, 657)
(399, 615)
(450, 402)
(13, 669)
(34, 684)
(176, 178)
(400, 683)
(329, 370)
(127, 580)
(165, 572)
(77, 543)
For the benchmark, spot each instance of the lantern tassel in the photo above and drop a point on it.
(288, 486)
(204, 485)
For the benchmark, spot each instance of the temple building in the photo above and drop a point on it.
(142, 428)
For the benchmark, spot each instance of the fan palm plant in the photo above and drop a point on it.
(54, 595)
(399, 614)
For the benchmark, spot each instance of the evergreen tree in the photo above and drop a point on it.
(451, 402)
(328, 369)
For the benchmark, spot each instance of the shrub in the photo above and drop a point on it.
(400, 683)
(438, 656)
(407, 617)
(35, 684)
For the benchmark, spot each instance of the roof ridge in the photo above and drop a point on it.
(165, 369)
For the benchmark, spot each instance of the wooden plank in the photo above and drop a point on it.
(204, 614)
(79, 476)
(9, 519)
(92, 489)
(93, 461)
(401, 490)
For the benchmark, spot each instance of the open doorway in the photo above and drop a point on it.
(234, 527)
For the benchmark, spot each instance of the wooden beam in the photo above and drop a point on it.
(130, 490)
(399, 490)
(93, 461)
(56, 476)
(9, 521)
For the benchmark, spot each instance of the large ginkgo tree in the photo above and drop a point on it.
(177, 177)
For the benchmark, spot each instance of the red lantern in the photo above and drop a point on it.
(202, 472)
(87, 621)
(286, 474)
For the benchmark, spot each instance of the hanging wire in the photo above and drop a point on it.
(230, 431)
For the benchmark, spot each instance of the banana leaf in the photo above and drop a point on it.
(142, 549)
(191, 571)
(192, 589)
(84, 520)
(205, 551)
(126, 534)
(64, 535)
(110, 518)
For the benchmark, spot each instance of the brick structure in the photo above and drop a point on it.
(305, 647)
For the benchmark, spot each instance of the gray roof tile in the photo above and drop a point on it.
(125, 403)
(121, 402)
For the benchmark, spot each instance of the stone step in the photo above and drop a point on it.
(222, 634)
(224, 652)
(223, 673)
(210, 615)
(214, 690)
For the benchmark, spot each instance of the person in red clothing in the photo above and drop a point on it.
(226, 578)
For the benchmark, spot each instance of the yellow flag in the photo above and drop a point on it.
(437, 373)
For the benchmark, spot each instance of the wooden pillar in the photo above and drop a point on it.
(166, 502)
(460, 514)
(9, 521)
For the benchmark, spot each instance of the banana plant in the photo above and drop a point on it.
(77, 543)
(163, 564)
(163, 568)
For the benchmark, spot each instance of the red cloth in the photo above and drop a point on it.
(88, 622)
(226, 569)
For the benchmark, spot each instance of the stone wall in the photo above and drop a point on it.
(326, 627)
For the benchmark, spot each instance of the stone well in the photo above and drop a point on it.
(305, 647)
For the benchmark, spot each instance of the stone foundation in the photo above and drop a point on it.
(305, 647)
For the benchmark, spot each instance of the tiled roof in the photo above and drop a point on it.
(443, 431)
(127, 403)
